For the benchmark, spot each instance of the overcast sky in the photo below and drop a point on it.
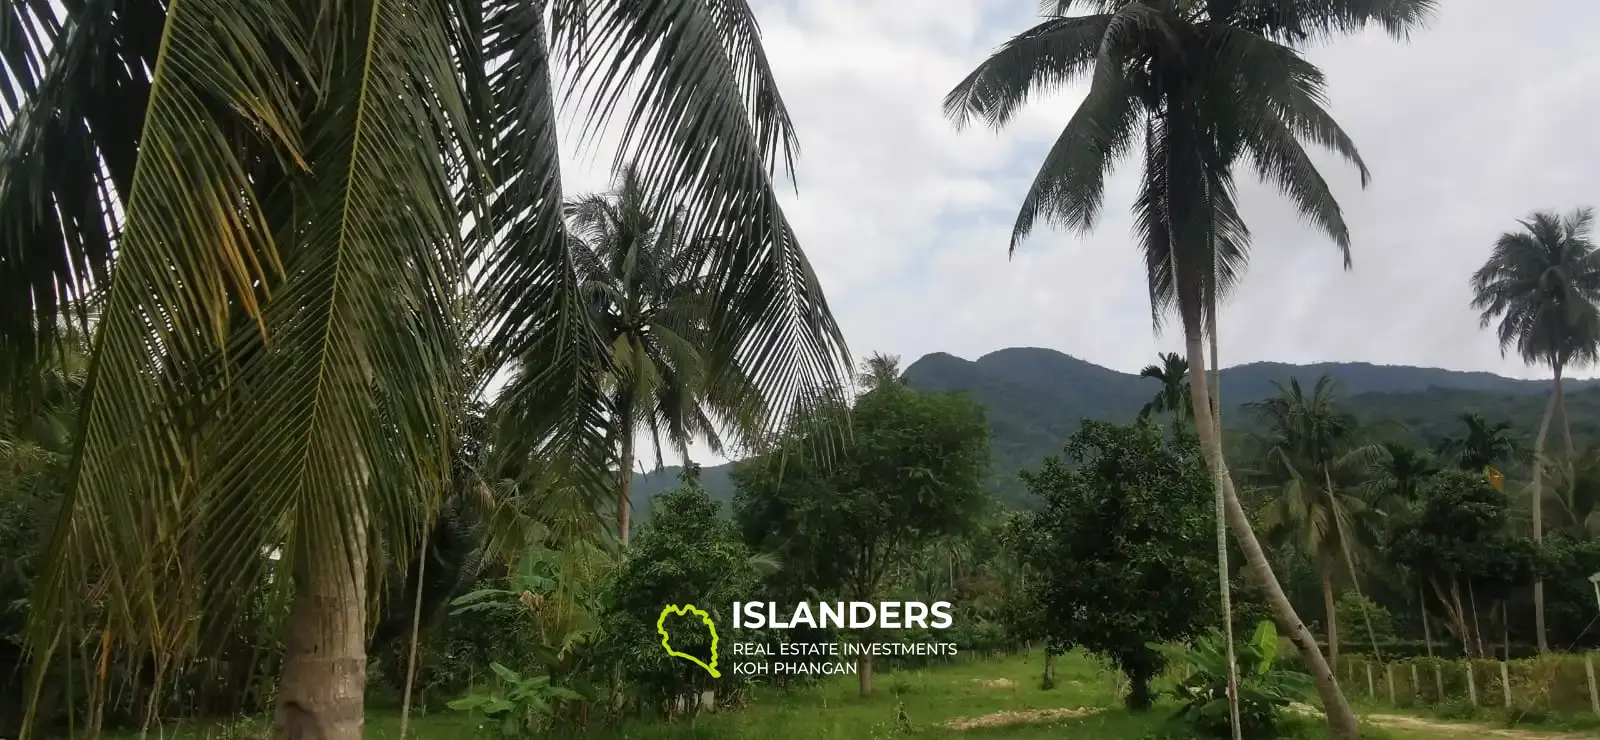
(1486, 115)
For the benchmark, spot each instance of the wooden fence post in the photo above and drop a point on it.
(1388, 671)
(1594, 691)
(1371, 692)
(1505, 683)
(1472, 683)
(1416, 686)
(1438, 680)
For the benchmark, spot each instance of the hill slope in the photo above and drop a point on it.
(1036, 398)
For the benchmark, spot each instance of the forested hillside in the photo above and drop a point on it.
(1036, 398)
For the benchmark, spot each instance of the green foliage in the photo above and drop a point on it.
(1458, 544)
(1264, 689)
(518, 707)
(909, 473)
(686, 555)
(1357, 612)
(1460, 531)
(1123, 547)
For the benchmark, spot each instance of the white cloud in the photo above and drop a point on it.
(1480, 119)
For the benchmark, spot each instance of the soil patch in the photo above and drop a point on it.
(1453, 729)
(1024, 717)
(996, 683)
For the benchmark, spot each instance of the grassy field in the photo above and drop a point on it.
(1001, 697)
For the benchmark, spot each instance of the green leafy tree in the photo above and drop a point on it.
(1542, 284)
(1202, 86)
(1458, 545)
(1122, 547)
(909, 473)
(687, 554)
(270, 196)
(1173, 374)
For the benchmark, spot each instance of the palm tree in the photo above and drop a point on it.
(1173, 374)
(1313, 458)
(1200, 85)
(647, 285)
(1484, 445)
(880, 370)
(1396, 476)
(1542, 283)
(270, 195)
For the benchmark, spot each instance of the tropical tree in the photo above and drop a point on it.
(1483, 445)
(1201, 85)
(1542, 284)
(910, 476)
(1131, 514)
(1394, 479)
(270, 196)
(1313, 457)
(1173, 396)
(647, 285)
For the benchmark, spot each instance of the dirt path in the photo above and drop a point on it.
(1463, 730)
(1025, 717)
(1456, 729)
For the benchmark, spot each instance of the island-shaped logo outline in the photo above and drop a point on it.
(661, 627)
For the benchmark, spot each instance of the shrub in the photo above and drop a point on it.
(1264, 689)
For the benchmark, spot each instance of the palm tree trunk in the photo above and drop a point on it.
(324, 680)
(1566, 423)
(1341, 720)
(1331, 605)
(625, 486)
(1224, 573)
(1538, 517)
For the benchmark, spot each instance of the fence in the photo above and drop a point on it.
(1566, 684)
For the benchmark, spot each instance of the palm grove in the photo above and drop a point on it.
(261, 262)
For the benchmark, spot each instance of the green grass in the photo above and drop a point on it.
(833, 710)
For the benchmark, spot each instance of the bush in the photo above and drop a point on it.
(1264, 690)
(1356, 612)
(685, 555)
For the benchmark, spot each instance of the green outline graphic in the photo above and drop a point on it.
(704, 617)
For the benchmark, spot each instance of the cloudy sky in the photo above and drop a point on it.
(1483, 117)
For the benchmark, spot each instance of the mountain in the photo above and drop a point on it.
(1036, 398)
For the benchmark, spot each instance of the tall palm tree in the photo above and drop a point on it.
(1173, 374)
(1542, 284)
(271, 195)
(1200, 85)
(647, 283)
(1313, 457)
